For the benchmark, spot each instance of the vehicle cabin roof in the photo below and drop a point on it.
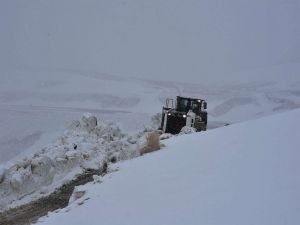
(190, 98)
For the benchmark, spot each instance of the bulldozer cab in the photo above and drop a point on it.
(186, 104)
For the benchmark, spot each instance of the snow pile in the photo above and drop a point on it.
(78, 195)
(187, 130)
(86, 144)
(246, 174)
(156, 120)
(184, 130)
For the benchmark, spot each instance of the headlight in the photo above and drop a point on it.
(169, 114)
(184, 116)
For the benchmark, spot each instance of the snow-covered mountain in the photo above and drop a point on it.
(61, 58)
(241, 174)
(121, 59)
(36, 107)
(36, 113)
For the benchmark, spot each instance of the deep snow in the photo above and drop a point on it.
(35, 107)
(61, 58)
(86, 144)
(246, 173)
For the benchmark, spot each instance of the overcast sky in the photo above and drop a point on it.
(158, 39)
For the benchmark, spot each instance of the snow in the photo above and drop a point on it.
(120, 60)
(32, 115)
(241, 174)
(36, 107)
(83, 59)
(87, 144)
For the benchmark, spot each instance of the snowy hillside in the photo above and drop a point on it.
(34, 111)
(61, 58)
(88, 144)
(246, 173)
(120, 60)
(35, 107)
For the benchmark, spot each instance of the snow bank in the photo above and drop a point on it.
(86, 144)
(246, 174)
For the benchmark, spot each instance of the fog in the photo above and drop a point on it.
(202, 40)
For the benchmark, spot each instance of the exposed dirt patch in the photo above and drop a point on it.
(31, 212)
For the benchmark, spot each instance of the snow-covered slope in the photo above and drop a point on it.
(60, 58)
(246, 173)
(36, 106)
(87, 144)
(120, 59)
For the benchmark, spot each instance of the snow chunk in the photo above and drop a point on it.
(149, 142)
(187, 130)
(165, 136)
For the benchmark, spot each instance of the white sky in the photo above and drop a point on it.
(170, 39)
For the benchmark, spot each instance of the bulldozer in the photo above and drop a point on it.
(186, 112)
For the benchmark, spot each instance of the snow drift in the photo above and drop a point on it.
(86, 144)
(246, 173)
